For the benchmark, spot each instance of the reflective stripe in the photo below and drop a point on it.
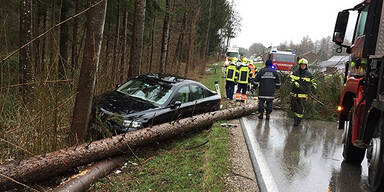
(278, 84)
(299, 115)
(268, 77)
(296, 78)
(306, 79)
(314, 83)
(243, 97)
(299, 95)
(266, 97)
(237, 96)
(230, 73)
(244, 73)
(293, 77)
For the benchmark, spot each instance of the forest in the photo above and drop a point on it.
(57, 55)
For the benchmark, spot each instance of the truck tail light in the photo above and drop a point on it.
(339, 108)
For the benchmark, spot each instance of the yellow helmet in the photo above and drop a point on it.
(234, 59)
(245, 60)
(303, 61)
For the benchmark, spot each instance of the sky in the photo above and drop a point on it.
(272, 22)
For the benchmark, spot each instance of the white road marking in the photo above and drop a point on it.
(255, 150)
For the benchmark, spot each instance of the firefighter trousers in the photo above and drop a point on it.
(230, 89)
(241, 92)
(268, 108)
(297, 107)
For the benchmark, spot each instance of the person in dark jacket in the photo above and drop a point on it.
(268, 80)
(302, 83)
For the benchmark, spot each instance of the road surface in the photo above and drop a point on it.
(300, 159)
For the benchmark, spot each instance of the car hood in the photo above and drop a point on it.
(115, 102)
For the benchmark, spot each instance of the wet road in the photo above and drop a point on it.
(300, 159)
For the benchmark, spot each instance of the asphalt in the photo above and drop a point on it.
(300, 159)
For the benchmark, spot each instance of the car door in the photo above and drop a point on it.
(182, 95)
(197, 98)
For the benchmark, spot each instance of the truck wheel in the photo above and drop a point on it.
(351, 154)
(375, 165)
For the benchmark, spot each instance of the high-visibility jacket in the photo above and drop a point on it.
(253, 69)
(243, 74)
(302, 83)
(230, 73)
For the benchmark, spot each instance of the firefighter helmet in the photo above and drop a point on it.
(234, 60)
(245, 60)
(303, 61)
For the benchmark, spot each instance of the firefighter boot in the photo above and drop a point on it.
(261, 115)
(297, 121)
(267, 115)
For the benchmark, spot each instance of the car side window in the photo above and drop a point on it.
(196, 92)
(182, 95)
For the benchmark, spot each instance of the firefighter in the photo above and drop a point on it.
(243, 74)
(230, 78)
(267, 80)
(251, 67)
(302, 83)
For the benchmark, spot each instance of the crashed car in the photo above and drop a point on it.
(154, 99)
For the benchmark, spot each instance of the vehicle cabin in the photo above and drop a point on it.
(282, 60)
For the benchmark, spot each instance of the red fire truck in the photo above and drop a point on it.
(361, 108)
(282, 60)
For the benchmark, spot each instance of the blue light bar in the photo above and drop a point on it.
(274, 51)
(293, 52)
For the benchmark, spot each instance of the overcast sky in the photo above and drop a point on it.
(272, 22)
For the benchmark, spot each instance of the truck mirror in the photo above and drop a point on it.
(340, 27)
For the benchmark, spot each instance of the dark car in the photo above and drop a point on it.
(154, 99)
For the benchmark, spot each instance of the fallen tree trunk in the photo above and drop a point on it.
(84, 179)
(41, 167)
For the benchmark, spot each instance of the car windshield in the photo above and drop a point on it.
(148, 90)
(283, 58)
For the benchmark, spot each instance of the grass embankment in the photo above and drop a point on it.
(195, 161)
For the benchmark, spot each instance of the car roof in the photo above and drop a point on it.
(166, 78)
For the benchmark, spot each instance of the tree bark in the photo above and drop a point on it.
(74, 64)
(40, 167)
(137, 39)
(192, 39)
(123, 44)
(116, 47)
(87, 79)
(63, 61)
(152, 44)
(164, 41)
(205, 50)
(25, 58)
(81, 182)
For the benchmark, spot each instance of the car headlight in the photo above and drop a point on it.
(132, 124)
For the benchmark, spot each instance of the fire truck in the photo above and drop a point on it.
(361, 108)
(282, 60)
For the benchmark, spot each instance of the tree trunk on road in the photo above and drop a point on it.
(87, 79)
(44, 166)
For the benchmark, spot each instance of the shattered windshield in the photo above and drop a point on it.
(151, 91)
